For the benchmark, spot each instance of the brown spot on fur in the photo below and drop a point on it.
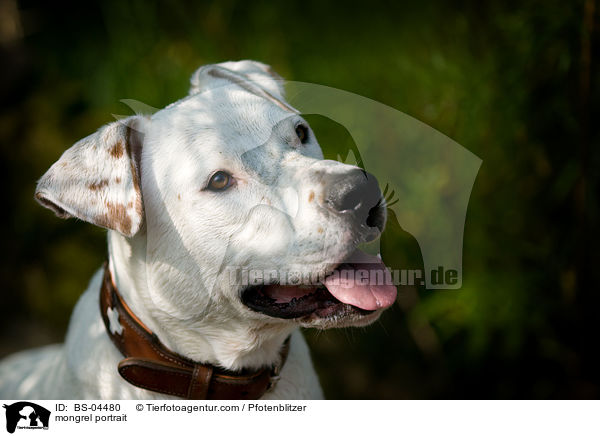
(117, 180)
(139, 206)
(129, 205)
(115, 218)
(98, 185)
(320, 230)
(178, 196)
(311, 196)
(117, 150)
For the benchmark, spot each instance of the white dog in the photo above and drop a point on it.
(216, 205)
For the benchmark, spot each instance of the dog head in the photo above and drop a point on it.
(237, 208)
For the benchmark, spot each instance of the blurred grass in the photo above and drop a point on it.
(515, 83)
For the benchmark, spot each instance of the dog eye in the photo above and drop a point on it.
(302, 133)
(220, 181)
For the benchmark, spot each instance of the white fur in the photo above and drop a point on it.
(169, 260)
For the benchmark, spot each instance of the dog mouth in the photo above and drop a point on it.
(359, 286)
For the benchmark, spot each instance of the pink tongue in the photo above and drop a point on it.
(363, 281)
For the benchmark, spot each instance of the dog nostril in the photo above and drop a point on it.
(376, 217)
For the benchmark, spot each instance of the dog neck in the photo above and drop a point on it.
(232, 342)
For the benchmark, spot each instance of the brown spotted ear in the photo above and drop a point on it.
(98, 178)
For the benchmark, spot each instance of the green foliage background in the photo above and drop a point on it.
(514, 82)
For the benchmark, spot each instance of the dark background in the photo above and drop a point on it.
(514, 82)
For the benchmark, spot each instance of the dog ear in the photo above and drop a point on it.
(257, 72)
(98, 178)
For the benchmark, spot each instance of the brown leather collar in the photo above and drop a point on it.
(150, 365)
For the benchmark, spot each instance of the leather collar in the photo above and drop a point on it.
(149, 364)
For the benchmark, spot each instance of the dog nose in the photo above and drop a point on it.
(356, 194)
